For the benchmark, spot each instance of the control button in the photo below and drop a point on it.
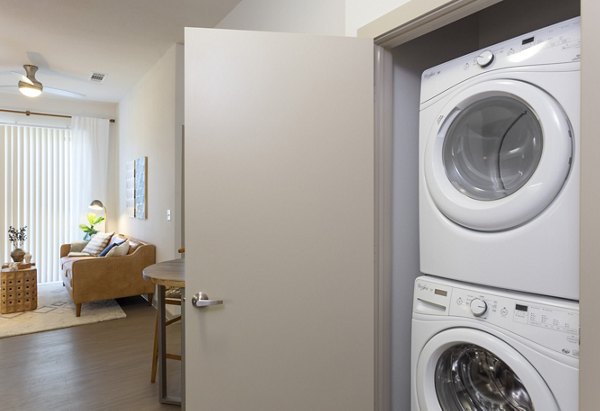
(504, 311)
(478, 307)
(485, 58)
(459, 301)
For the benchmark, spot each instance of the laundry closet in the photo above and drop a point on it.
(497, 23)
(298, 256)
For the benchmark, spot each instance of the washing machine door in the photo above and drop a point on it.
(464, 369)
(498, 155)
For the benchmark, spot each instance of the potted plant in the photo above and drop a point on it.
(17, 237)
(89, 230)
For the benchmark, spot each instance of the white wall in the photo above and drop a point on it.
(150, 119)
(58, 105)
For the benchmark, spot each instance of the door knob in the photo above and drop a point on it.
(201, 300)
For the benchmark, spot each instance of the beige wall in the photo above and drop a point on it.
(590, 198)
(336, 17)
(309, 16)
(150, 125)
(361, 12)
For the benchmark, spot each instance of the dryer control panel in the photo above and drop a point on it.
(538, 50)
(547, 321)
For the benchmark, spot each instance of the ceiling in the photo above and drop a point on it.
(71, 39)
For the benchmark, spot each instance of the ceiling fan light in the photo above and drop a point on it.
(30, 90)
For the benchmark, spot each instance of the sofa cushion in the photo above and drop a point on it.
(66, 262)
(79, 254)
(118, 238)
(120, 250)
(113, 243)
(133, 245)
(109, 247)
(78, 246)
(97, 243)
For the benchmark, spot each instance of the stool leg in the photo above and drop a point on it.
(155, 351)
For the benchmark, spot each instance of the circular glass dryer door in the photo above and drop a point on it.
(471, 370)
(499, 155)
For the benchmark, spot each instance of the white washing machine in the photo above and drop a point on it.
(484, 349)
(499, 164)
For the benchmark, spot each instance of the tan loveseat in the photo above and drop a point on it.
(101, 278)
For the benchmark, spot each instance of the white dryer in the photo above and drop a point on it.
(499, 164)
(483, 349)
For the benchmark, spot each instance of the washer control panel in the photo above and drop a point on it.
(550, 322)
(478, 307)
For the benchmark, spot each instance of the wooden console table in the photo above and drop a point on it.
(18, 290)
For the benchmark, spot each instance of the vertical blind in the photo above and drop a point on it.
(35, 192)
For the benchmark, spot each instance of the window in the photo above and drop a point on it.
(35, 192)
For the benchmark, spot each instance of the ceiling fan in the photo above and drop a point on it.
(30, 86)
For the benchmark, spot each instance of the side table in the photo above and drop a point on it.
(18, 290)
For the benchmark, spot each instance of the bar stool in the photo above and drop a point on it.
(172, 297)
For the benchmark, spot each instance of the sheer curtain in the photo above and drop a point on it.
(89, 168)
(34, 192)
(48, 177)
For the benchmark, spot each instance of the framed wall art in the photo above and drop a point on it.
(130, 188)
(141, 188)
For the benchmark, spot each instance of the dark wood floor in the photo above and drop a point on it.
(103, 366)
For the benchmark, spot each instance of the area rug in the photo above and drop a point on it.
(56, 310)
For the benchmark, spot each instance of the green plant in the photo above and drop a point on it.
(17, 236)
(89, 230)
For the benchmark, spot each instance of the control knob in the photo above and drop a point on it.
(485, 58)
(478, 307)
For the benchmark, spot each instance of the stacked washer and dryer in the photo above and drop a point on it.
(496, 317)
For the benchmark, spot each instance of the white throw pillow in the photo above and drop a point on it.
(78, 254)
(120, 250)
(97, 243)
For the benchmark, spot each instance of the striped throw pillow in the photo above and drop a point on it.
(97, 243)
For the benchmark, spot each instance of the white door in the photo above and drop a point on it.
(280, 221)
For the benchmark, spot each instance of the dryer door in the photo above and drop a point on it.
(464, 369)
(499, 155)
